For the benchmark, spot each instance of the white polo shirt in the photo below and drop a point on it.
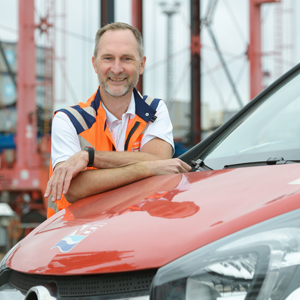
(65, 142)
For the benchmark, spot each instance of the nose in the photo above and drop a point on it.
(117, 67)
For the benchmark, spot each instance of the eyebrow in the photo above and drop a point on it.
(125, 54)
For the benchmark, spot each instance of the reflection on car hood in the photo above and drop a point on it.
(154, 221)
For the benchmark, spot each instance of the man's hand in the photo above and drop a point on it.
(168, 166)
(64, 172)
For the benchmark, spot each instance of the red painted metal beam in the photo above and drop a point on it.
(26, 77)
(137, 21)
(255, 49)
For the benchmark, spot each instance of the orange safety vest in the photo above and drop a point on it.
(89, 120)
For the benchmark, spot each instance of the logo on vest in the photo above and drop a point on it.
(136, 147)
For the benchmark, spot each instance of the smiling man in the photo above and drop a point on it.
(117, 136)
(118, 63)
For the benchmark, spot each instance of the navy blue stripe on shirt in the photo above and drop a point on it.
(154, 103)
(74, 121)
(90, 120)
(142, 109)
(96, 102)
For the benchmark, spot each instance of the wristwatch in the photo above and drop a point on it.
(91, 152)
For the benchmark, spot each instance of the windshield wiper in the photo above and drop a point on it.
(270, 161)
(199, 165)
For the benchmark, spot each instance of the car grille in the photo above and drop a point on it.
(132, 284)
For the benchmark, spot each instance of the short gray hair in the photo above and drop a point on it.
(119, 26)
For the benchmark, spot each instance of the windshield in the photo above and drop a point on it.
(270, 130)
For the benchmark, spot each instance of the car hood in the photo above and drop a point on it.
(149, 223)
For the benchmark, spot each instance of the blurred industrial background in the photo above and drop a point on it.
(205, 58)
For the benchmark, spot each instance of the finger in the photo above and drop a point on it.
(183, 170)
(67, 182)
(55, 182)
(48, 188)
(59, 186)
(186, 166)
(53, 191)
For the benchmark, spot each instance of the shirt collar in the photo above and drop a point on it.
(110, 118)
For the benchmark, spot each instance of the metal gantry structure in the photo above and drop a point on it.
(254, 52)
(23, 182)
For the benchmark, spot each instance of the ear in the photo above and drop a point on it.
(143, 62)
(94, 64)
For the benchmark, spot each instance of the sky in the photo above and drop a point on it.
(75, 79)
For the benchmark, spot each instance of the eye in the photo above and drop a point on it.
(127, 58)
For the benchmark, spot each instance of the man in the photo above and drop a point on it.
(119, 135)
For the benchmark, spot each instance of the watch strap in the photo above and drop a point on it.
(91, 152)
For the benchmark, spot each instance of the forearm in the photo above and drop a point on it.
(156, 149)
(92, 182)
(110, 159)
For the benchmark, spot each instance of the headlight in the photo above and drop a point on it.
(7, 255)
(257, 263)
(7, 291)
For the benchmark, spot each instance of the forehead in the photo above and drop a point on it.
(116, 41)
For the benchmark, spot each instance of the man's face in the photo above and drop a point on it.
(118, 63)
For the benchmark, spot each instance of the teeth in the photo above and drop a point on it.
(116, 79)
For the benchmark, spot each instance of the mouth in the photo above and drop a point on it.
(114, 79)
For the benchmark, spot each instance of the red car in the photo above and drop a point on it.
(229, 229)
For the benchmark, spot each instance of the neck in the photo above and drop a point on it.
(116, 105)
